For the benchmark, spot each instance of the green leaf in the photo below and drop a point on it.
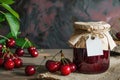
(9, 35)
(2, 40)
(7, 1)
(13, 12)
(13, 23)
(20, 42)
(2, 18)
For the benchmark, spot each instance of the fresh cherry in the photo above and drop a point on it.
(65, 69)
(118, 35)
(32, 48)
(72, 67)
(52, 66)
(33, 51)
(9, 64)
(20, 52)
(30, 70)
(18, 62)
(10, 42)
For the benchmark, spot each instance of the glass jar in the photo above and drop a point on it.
(91, 64)
(91, 42)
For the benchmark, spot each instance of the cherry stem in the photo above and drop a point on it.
(4, 37)
(56, 54)
(26, 40)
(66, 61)
(63, 58)
(41, 63)
(6, 51)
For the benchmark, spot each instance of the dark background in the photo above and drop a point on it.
(49, 23)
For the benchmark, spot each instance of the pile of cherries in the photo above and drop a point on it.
(65, 66)
(10, 60)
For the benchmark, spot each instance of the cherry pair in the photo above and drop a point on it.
(64, 66)
(32, 51)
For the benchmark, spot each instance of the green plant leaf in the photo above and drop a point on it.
(2, 18)
(7, 1)
(9, 35)
(14, 24)
(13, 12)
(20, 42)
(2, 41)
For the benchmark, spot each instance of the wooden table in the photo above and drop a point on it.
(113, 73)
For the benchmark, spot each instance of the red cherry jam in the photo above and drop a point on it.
(92, 64)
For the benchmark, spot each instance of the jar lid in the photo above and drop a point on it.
(83, 29)
(93, 25)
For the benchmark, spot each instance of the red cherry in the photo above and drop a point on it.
(34, 53)
(31, 48)
(65, 69)
(18, 62)
(10, 42)
(1, 61)
(30, 70)
(9, 64)
(72, 67)
(52, 66)
(19, 52)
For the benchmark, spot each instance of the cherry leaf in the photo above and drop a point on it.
(13, 23)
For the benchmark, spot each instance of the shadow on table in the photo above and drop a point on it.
(114, 54)
(21, 71)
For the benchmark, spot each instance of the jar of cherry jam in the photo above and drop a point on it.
(92, 64)
(85, 61)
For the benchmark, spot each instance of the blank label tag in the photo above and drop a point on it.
(94, 46)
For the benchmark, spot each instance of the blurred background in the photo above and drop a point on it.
(49, 23)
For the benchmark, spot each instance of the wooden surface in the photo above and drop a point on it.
(113, 73)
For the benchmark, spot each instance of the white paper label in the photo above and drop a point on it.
(94, 46)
